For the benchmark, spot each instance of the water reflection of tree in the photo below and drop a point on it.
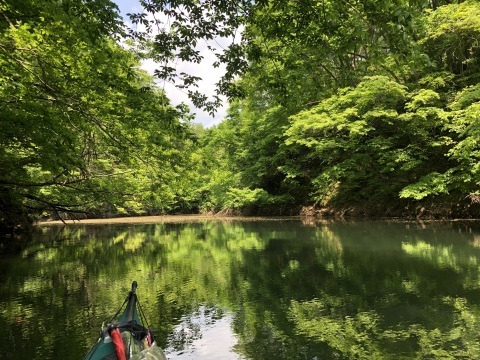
(328, 290)
(366, 298)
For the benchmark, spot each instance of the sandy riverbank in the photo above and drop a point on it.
(163, 219)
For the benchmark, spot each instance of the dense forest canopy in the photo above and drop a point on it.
(368, 107)
(83, 128)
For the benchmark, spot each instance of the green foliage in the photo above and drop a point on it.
(357, 110)
(83, 129)
(372, 104)
(451, 38)
(353, 140)
(241, 198)
(431, 184)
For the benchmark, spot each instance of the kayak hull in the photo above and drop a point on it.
(136, 338)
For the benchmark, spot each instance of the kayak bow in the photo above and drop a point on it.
(128, 337)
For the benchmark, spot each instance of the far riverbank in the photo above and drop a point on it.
(166, 218)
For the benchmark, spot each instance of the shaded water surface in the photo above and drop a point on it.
(249, 289)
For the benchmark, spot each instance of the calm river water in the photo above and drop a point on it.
(260, 289)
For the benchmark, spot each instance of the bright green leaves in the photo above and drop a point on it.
(381, 96)
(311, 45)
(452, 38)
(466, 125)
(243, 198)
(342, 102)
(368, 139)
(467, 96)
(458, 125)
(340, 131)
(83, 130)
(423, 98)
(431, 184)
(351, 114)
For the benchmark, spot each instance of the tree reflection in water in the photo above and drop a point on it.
(250, 289)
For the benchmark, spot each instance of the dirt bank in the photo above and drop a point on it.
(164, 219)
